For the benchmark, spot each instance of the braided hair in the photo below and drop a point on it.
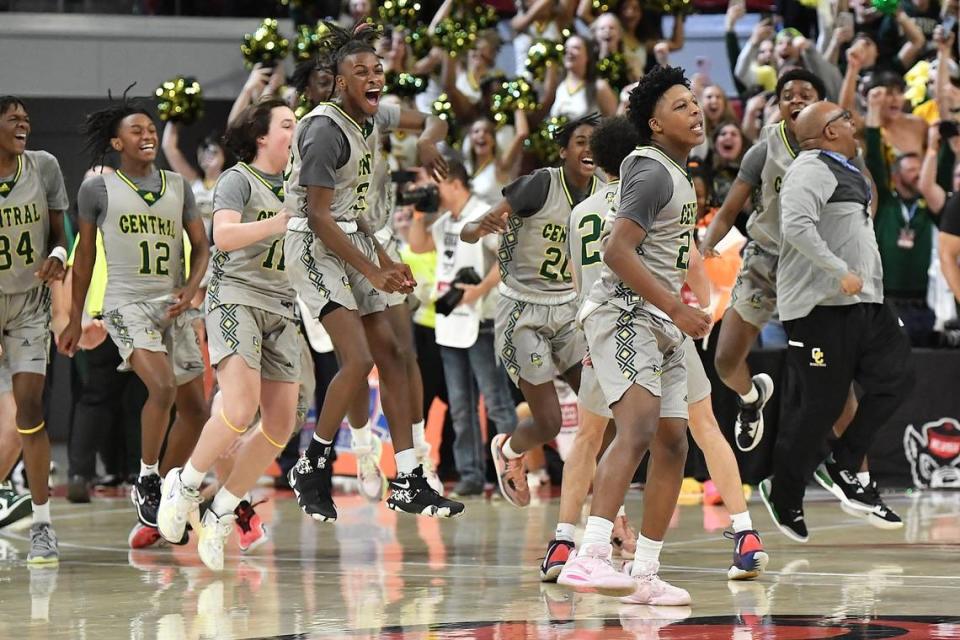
(99, 127)
(342, 43)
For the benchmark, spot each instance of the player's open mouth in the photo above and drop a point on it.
(587, 162)
(697, 128)
(22, 137)
(795, 113)
(149, 146)
(373, 96)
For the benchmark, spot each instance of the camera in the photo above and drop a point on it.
(425, 198)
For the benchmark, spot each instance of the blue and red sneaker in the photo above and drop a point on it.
(749, 558)
(558, 552)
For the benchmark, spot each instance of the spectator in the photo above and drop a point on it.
(940, 187)
(536, 20)
(904, 226)
(716, 109)
(465, 335)
(608, 34)
(580, 91)
(491, 169)
(724, 162)
(790, 49)
(902, 132)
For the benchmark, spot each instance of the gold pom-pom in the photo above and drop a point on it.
(542, 54)
(400, 13)
(419, 41)
(542, 141)
(442, 108)
(455, 36)
(605, 6)
(672, 7)
(509, 96)
(405, 85)
(307, 43)
(266, 45)
(304, 106)
(614, 69)
(180, 100)
(484, 16)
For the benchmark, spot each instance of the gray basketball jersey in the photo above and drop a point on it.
(142, 239)
(586, 230)
(353, 180)
(665, 250)
(24, 226)
(254, 275)
(533, 256)
(382, 195)
(764, 223)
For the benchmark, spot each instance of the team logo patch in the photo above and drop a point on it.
(755, 301)
(256, 344)
(816, 357)
(933, 451)
(536, 360)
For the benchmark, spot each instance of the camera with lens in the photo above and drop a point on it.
(425, 198)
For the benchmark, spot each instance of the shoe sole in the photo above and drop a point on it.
(551, 574)
(169, 536)
(758, 436)
(823, 479)
(497, 453)
(316, 516)
(783, 529)
(258, 542)
(760, 561)
(871, 519)
(429, 511)
(613, 592)
(133, 534)
(42, 562)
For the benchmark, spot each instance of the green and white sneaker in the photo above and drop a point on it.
(13, 506)
(43, 545)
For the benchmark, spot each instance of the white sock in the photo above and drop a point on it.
(622, 511)
(41, 512)
(419, 437)
(406, 461)
(361, 437)
(597, 532)
(224, 503)
(863, 477)
(647, 551)
(751, 396)
(741, 521)
(509, 452)
(316, 436)
(565, 531)
(190, 476)
(149, 469)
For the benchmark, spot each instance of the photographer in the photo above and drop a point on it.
(465, 294)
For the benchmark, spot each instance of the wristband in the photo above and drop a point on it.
(60, 254)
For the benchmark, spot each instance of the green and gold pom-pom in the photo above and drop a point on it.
(887, 7)
(672, 7)
(484, 16)
(442, 108)
(605, 6)
(405, 85)
(419, 41)
(304, 106)
(509, 96)
(542, 141)
(266, 45)
(614, 70)
(542, 54)
(455, 36)
(400, 13)
(180, 100)
(307, 43)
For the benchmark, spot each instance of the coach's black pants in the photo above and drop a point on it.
(827, 350)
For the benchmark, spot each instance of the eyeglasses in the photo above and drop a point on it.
(843, 115)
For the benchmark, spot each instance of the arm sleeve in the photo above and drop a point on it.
(751, 167)
(56, 190)
(806, 189)
(645, 190)
(232, 192)
(190, 209)
(877, 162)
(92, 199)
(743, 69)
(527, 194)
(945, 161)
(323, 150)
(388, 117)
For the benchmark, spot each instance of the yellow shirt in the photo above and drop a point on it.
(424, 268)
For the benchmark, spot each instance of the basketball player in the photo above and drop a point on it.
(32, 253)
(251, 329)
(635, 321)
(14, 506)
(754, 297)
(536, 333)
(143, 213)
(339, 272)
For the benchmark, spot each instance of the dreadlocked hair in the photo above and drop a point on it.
(647, 93)
(341, 43)
(99, 127)
(322, 61)
(566, 132)
(7, 102)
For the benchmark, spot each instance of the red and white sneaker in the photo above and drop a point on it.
(142, 536)
(588, 570)
(623, 538)
(650, 589)
(511, 474)
(558, 552)
(250, 528)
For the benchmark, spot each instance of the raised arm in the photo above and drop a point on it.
(509, 157)
(875, 157)
(915, 43)
(522, 21)
(171, 151)
(932, 192)
(419, 237)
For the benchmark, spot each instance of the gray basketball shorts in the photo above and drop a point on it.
(25, 330)
(638, 348)
(320, 277)
(754, 295)
(391, 244)
(536, 342)
(591, 395)
(266, 341)
(145, 325)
